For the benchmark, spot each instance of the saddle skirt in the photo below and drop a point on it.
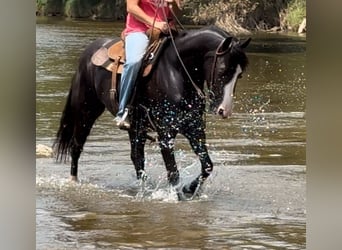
(110, 56)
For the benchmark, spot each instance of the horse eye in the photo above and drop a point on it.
(240, 76)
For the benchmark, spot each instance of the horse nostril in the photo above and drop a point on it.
(220, 111)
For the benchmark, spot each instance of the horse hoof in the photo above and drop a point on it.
(193, 190)
(73, 178)
(174, 178)
(141, 175)
(189, 190)
(186, 194)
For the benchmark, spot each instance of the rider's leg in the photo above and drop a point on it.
(135, 48)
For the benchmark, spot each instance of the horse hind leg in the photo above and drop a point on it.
(68, 140)
(81, 131)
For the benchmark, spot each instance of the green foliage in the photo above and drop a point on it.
(40, 5)
(235, 15)
(45, 7)
(79, 8)
(55, 6)
(295, 13)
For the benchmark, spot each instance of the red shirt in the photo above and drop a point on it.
(150, 7)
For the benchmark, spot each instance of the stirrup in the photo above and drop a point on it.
(121, 122)
(124, 125)
(124, 116)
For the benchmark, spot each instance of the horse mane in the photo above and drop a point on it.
(236, 51)
(217, 30)
(210, 28)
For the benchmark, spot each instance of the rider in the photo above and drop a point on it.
(142, 15)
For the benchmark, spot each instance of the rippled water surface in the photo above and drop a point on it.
(255, 198)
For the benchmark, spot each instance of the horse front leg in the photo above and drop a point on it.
(197, 139)
(166, 144)
(138, 139)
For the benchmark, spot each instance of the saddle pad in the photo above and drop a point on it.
(100, 57)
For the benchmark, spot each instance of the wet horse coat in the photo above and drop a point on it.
(169, 100)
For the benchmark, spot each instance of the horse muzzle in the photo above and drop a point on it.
(225, 108)
(224, 111)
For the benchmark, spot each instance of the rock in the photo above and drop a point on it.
(274, 29)
(43, 151)
(302, 27)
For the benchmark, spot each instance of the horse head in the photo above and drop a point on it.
(225, 64)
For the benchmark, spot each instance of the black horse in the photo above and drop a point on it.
(170, 100)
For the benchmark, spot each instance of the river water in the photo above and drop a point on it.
(255, 198)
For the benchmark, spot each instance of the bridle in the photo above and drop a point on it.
(218, 53)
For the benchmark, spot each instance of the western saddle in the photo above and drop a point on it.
(111, 56)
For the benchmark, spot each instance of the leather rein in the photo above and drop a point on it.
(218, 53)
(213, 67)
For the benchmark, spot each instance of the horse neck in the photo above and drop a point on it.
(193, 48)
(198, 42)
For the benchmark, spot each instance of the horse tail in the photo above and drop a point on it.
(64, 137)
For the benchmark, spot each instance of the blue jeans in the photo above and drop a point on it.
(135, 47)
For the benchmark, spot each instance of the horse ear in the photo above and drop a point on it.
(225, 45)
(245, 43)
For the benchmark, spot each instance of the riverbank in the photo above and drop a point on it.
(235, 16)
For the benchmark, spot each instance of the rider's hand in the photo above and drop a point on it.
(163, 26)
